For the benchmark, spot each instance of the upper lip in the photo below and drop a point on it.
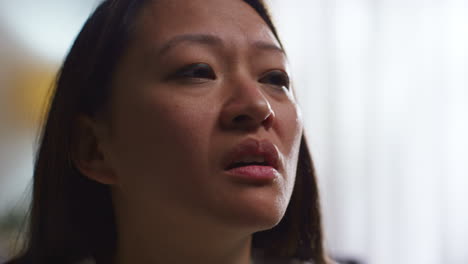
(253, 147)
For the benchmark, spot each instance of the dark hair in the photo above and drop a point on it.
(72, 217)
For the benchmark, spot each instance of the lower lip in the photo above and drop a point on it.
(254, 174)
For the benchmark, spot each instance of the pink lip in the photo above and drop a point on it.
(253, 173)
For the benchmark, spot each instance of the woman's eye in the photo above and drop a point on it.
(196, 71)
(276, 78)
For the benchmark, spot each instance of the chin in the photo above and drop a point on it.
(268, 220)
(261, 212)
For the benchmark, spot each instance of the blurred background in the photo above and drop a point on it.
(383, 85)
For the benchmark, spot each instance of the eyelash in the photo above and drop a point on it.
(280, 79)
(201, 71)
(196, 71)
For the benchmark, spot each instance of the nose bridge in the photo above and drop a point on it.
(247, 106)
(249, 94)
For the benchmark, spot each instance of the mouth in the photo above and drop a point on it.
(253, 161)
(247, 163)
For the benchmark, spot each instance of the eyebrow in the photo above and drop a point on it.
(262, 45)
(211, 40)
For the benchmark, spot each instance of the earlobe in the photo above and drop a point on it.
(88, 153)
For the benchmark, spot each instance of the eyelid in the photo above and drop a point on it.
(278, 71)
(186, 71)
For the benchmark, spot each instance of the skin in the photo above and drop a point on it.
(161, 143)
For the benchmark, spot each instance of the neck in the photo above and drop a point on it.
(178, 238)
(176, 248)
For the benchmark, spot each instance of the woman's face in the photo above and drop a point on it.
(199, 78)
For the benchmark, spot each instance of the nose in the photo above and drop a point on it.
(247, 109)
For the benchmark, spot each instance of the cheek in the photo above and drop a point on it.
(290, 127)
(159, 141)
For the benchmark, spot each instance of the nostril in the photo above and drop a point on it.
(241, 118)
(268, 122)
(247, 120)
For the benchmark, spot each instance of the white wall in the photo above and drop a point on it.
(385, 92)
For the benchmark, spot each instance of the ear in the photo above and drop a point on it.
(88, 152)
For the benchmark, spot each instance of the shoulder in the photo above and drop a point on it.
(259, 258)
(281, 261)
(87, 261)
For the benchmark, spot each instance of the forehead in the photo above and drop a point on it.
(232, 20)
